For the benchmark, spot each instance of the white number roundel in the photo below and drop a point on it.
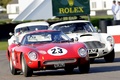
(57, 51)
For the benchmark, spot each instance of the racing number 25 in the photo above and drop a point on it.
(56, 50)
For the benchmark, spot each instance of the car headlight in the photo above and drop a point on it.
(82, 52)
(109, 38)
(32, 56)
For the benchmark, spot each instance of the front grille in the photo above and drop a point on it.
(93, 55)
(59, 61)
(94, 44)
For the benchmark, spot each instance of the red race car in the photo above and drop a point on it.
(47, 49)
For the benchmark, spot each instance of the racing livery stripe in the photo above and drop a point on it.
(116, 38)
(114, 30)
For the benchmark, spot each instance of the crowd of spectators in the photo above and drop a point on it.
(116, 9)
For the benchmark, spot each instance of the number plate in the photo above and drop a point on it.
(93, 50)
(59, 65)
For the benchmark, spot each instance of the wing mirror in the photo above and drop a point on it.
(74, 39)
(10, 33)
(17, 42)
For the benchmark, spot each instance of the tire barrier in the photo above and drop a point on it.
(115, 22)
(103, 25)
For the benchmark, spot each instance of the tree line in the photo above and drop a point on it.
(3, 3)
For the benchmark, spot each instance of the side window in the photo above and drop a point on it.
(56, 28)
(17, 30)
(87, 28)
(24, 29)
(79, 27)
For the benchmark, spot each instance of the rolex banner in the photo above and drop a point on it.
(70, 7)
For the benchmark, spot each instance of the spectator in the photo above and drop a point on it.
(117, 11)
(113, 9)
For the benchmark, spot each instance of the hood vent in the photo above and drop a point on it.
(94, 44)
(85, 35)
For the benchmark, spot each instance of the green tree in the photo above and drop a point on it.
(3, 3)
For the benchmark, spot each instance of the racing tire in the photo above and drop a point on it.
(27, 72)
(92, 60)
(84, 68)
(69, 69)
(110, 57)
(12, 69)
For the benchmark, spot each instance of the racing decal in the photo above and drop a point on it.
(57, 51)
(13, 56)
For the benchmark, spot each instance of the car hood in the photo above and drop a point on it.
(84, 37)
(58, 50)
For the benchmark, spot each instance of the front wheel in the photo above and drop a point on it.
(27, 72)
(12, 69)
(84, 68)
(110, 57)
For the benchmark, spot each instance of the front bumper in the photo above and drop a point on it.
(96, 53)
(97, 49)
(57, 64)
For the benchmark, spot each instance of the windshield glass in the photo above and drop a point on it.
(76, 27)
(31, 28)
(44, 37)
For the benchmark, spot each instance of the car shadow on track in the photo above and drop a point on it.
(104, 69)
(61, 72)
(98, 68)
(103, 66)
(101, 60)
(58, 72)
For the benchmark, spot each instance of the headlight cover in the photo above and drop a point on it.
(109, 38)
(82, 52)
(32, 56)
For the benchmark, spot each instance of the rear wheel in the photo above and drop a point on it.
(12, 69)
(110, 57)
(27, 72)
(84, 68)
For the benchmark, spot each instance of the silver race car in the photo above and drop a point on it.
(98, 44)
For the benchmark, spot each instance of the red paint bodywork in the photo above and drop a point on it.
(71, 47)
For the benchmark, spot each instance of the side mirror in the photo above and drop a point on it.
(74, 39)
(16, 42)
(10, 33)
(98, 30)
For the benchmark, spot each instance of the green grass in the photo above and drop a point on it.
(3, 45)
